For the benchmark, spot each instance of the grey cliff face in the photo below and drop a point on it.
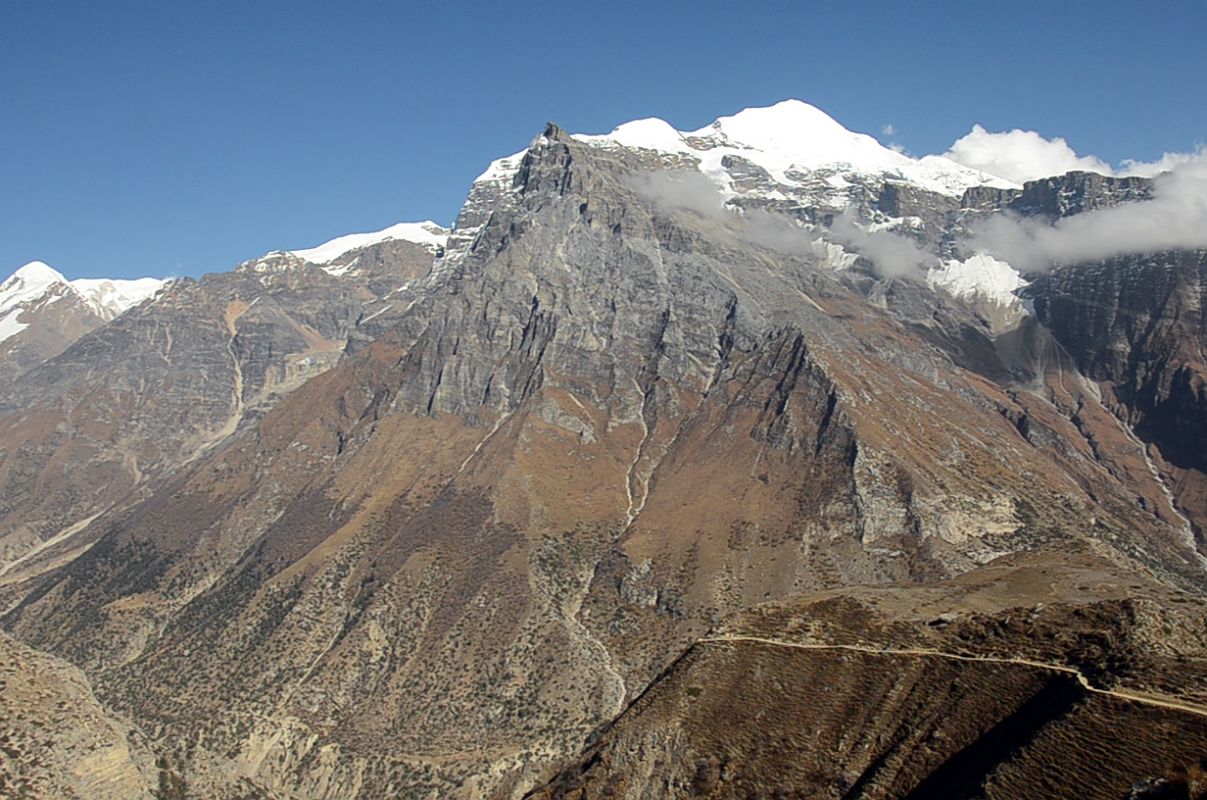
(1076, 192)
(1137, 325)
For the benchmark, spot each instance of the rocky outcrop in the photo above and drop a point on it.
(930, 211)
(57, 741)
(988, 198)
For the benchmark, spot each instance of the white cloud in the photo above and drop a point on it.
(890, 254)
(1020, 156)
(887, 132)
(681, 190)
(1175, 218)
(1150, 169)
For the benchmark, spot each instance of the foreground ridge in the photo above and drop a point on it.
(1172, 705)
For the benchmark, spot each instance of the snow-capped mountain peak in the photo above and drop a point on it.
(37, 271)
(31, 286)
(37, 284)
(803, 135)
(28, 283)
(793, 135)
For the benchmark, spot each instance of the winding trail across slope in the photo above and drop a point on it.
(62, 535)
(1172, 705)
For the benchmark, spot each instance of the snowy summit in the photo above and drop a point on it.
(37, 284)
(793, 135)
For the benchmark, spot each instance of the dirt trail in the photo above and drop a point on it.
(62, 535)
(1172, 705)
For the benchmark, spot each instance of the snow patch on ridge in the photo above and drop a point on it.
(426, 233)
(9, 326)
(502, 169)
(109, 297)
(979, 276)
(647, 134)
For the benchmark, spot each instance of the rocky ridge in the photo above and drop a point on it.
(137, 397)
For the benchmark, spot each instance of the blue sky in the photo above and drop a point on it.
(156, 138)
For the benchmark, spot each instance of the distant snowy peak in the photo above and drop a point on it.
(30, 282)
(37, 284)
(426, 233)
(793, 137)
(33, 286)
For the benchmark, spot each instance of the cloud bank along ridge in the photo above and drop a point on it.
(1174, 218)
(892, 254)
